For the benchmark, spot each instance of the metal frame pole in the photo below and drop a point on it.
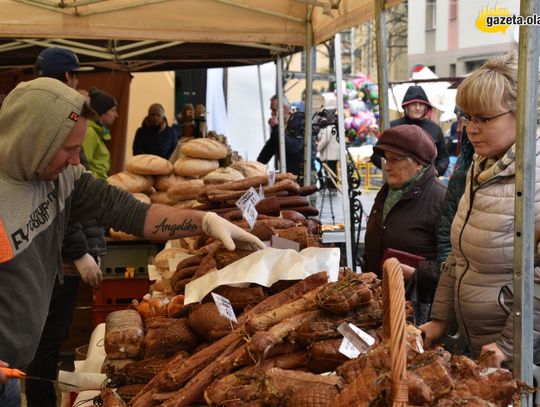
(382, 64)
(309, 100)
(261, 100)
(282, 158)
(342, 154)
(522, 311)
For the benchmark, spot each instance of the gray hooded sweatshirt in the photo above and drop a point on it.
(35, 119)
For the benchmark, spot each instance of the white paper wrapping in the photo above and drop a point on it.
(265, 267)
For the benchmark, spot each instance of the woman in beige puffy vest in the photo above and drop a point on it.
(482, 259)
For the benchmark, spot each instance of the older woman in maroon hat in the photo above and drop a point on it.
(405, 213)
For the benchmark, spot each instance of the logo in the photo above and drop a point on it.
(498, 19)
(74, 116)
(485, 20)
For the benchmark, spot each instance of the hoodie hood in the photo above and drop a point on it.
(416, 94)
(35, 119)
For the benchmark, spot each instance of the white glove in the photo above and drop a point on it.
(89, 270)
(215, 226)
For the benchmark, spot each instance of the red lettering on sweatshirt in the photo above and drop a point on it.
(6, 252)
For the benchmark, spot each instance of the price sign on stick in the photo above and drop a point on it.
(271, 177)
(250, 215)
(224, 307)
(250, 196)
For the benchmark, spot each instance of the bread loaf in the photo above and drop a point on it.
(164, 182)
(249, 168)
(124, 334)
(222, 175)
(131, 182)
(142, 197)
(161, 197)
(204, 148)
(148, 164)
(194, 167)
(185, 190)
(189, 204)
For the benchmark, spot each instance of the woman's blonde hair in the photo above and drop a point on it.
(493, 85)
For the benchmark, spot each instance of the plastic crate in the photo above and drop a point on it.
(122, 255)
(115, 295)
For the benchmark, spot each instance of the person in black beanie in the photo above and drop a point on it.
(417, 107)
(99, 157)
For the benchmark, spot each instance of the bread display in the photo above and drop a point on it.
(194, 167)
(131, 182)
(222, 175)
(161, 197)
(142, 197)
(204, 148)
(148, 164)
(124, 334)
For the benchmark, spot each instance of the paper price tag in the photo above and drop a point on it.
(367, 338)
(347, 348)
(224, 307)
(250, 197)
(271, 178)
(261, 192)
(250, 215)
(359, 339)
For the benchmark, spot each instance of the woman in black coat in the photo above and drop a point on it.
(405, 213)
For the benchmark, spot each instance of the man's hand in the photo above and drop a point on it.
(273, 121)
(89, 270)
(3, 376)
(492, 355)
(432, 331)
(407, 271)
(230, 234)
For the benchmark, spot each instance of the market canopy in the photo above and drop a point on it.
(170, 34)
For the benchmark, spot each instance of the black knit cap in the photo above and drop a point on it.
(101, 101)
(410, 141)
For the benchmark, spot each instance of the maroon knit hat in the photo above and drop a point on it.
(410, 141)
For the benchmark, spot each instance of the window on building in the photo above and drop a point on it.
(433, 68)
(453, 11)
(431, 14)
(452, 70)
(473, 65)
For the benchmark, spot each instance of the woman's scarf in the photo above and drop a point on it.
(395, 194)
(486, 168)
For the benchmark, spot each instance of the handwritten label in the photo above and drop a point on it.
(224, 307)
(356, 337)
(271, 177)
(347, 348)
(250, 197)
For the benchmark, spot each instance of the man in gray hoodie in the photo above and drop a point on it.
(43, 185)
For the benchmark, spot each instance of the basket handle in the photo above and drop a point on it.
(393, 302)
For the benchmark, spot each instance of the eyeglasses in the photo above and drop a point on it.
(478, 120)
(394, 160)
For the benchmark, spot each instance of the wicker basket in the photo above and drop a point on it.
(394, 329)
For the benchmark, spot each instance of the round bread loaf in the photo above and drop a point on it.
(148, 164)
(189, 204)
(161, 197)
(186, 190)
(131, 182)
(164, 182)
(249, 168)
(194, 167)
(142, 197)
(204, 148)
(222, 175)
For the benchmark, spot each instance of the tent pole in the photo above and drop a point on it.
(524, 232)
(261, 101)
(309, 99)
(342, 155)
(382, 64)
(281, 119)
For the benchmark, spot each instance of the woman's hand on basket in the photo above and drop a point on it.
(432, 331)
(492, 355)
